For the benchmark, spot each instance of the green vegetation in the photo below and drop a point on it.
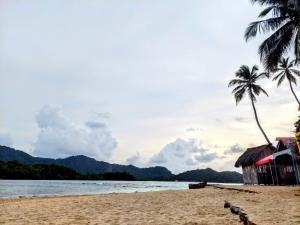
(17, 170)
(283, 22)
(245, 83)
(23, 171)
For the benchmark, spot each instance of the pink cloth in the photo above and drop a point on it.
(264, 160)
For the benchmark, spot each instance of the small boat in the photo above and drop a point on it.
(198, 186)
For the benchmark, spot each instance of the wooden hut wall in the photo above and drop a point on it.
(265, 174)
(296, 158)
(250, 175)
(298, 168)
(285, 170)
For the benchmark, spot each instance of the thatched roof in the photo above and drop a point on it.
(251, 155)
(285, 143)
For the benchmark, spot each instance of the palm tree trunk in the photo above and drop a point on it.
(257, 121)
(291, 86)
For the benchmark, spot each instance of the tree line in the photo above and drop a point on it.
(19, 171)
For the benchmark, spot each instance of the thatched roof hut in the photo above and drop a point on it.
(286, 143)
(251, 155)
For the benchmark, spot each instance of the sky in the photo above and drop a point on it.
(133, 82)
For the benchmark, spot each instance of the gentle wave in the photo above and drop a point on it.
(27, 188)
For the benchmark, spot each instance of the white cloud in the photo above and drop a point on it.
(182, 155)
(5, 139)
(134, 160)
(60, 137)
(235, 149)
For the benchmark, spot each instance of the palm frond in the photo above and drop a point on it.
(238, 88)
(272, 49)
(292, 79)
(262, 76)
(257, 90)
(280, 81)
(276, 9)
(239, 95)
(264, 26)
(243, 72)
(277, 76)
(297, 47)
(269, 2)
(254, 70)
(236, 81)
(296, 72)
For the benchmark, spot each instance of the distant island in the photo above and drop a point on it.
(16, 164)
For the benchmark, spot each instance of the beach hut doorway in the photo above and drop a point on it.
(285, 170)
(265, 174)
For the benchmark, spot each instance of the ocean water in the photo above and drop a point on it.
(17, 188)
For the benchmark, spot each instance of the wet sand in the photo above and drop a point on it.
(272, 205)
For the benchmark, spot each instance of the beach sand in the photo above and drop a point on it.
(272, 205)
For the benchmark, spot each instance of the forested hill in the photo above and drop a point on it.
(84, 165)
(211, 176)
(16, 170)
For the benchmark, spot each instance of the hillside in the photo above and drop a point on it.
(86, 165)
(20, 171)
(210, 175)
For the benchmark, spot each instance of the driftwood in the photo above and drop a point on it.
(233, 189)
(239, 211)
(198, 186)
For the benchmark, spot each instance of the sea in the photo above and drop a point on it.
(30, 188)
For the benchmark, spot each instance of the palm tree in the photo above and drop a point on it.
(285, 70)
(245, 83)
(283, 22)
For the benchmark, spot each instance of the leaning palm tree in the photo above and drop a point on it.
(283, 22)
(245, 83)
(286, 70)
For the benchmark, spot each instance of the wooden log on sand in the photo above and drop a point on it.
(239, 211)
(233, 189)
(198, 186)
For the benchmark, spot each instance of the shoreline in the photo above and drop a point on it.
(225, 187)
(213, 185)
(187, 207)
(27, 188)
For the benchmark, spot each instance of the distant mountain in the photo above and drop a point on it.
(85, 165)
(210, 175)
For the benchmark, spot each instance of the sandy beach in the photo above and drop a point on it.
(272, 205)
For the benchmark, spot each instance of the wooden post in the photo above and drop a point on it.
(275, 166)
(271, 173)
(295, 170)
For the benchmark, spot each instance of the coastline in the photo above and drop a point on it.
(203, 206)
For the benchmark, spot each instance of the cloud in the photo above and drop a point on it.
(183, 154)
(192, 129)
(61, 137)
(5, 139)
(95, 125)
(158, 159)
(105, 115)
(241, 119)
(133, 160)
(206, 157)
(235, 149)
